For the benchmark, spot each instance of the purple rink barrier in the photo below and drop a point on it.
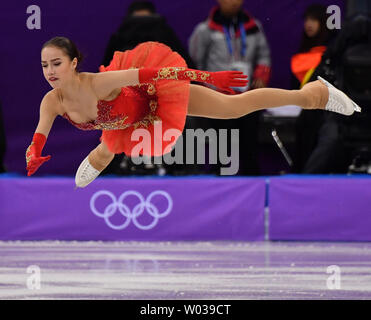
(192, 208)
(320, 208)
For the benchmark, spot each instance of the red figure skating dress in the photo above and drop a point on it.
(140, 106)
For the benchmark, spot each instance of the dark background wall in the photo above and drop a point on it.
(90, 24)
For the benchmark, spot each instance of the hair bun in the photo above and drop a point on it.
(68, 46)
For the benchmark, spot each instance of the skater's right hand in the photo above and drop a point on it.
(33, 154)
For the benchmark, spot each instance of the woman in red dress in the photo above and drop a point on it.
(142, 86)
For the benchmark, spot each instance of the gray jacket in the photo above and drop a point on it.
(209, 49)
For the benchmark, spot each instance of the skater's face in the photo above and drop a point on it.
(230, 7)
(142, 13)
(311, 27)
(57, 66)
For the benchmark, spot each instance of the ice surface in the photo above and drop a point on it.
(185, 270)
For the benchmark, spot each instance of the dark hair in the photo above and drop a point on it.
(141, 5)
(67, 45)
(316, 12)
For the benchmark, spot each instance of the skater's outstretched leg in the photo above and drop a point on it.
(205, 102)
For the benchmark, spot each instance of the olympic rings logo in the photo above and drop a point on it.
(135, 213)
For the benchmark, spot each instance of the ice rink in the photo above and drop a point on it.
(185, 270)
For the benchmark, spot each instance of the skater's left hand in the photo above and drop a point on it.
(226, 79)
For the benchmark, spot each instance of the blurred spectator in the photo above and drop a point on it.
(142, 23)
(319, 140)
(313, 44)
(347, 64)
(2, 142)
(231, 39)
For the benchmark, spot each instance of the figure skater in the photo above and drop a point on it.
(147, 84)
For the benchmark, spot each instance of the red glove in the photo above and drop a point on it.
(33, 154)
(221, 79)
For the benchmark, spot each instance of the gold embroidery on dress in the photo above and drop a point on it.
(204, 76)
(28, 158)
(147, 120)
(168, 73)
(116, 125)
(171, 73)
(153, 105)
(151, 89)
(192, 75)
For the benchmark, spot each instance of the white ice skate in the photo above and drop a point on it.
(338, 101)
(85, 174)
